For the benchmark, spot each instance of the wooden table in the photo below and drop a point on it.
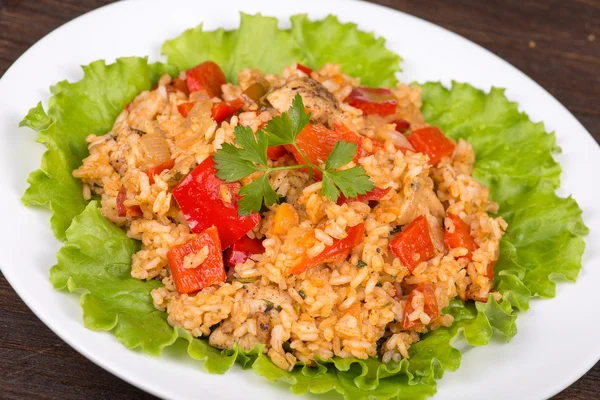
(556, 42)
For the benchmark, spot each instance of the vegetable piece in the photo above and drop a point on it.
(206, 76)
(206, 200)
(126, 211)
(402, 125)
(178, 84)
(155, 148)
(276, 152)
(242, 249)
(152, 172)
(225, 109)
(255, 92)
(285, 218)
(336, 252)
(413, 240)
(430, 306)
(185, 108)
(432, 142)
(460, 237)
(373, 100)
(208, 273)
(375, 194)
(304, 69)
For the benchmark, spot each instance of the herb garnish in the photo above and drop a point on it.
(361, 264)
(249, 155)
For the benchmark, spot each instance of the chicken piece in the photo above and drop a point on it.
(265, 298)
(263, 321)
(316, 98)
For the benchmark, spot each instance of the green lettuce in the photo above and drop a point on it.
(259, 43)
(514, 158)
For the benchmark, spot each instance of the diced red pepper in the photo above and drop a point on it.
(402, 125)
(414, 239)
(208, 273)
(375, 194)
(433, 142)
(178, 84)
(206, 76)
(276, 152)
(152, 172)
(317, 142)
(338, 251)
(373, 100)
(304, 69)
(461, 237)
(225, 109)
(430, 306)
(185, 108)
(126, 211)
(241, 250)
(203, 200)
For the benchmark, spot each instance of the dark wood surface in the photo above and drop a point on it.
(556, 42)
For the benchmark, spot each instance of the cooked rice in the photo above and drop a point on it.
(335, 309)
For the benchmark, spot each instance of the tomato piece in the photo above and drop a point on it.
(317, 142)
(185, 108)
(304, 69)
(207, 273)
(379, 101)
(276, 152)
(206, 76)
(241, 250)
(375, 194)
(430, 306)
(414, 239)
(461, 237)
(432, 142)
(225, 109)
(178, 84)
(126, 211)
(206, 201)
(152, 172)
(402, 125)
(338, 251)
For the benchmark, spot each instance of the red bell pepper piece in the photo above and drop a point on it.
(199, 196)
(414, 239)
(276, 152)
(461, 237)
(338, 251)
(430, 306)
(304, 69)
(208, 273)
(207, 76)
(185, 108)
(433, 142)
(373, 100)
(375, 194)
(126, 211)
(152, 172)
(241, 250)
(178, 84)
(225, 109)
(402, 125)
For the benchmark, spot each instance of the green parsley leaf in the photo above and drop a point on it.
(285, 128)
(254, 148)
(351, 182)
(342, 154)
(255, 194)
(328, 188)
(230, 165)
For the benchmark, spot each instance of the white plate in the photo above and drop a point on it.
(557, 339)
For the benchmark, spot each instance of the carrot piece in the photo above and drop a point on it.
(432, 142)
(209, 272)
(285, 218)
(152, 172)
(338, 251)
(461, 237)
(206, 76)
(414, 239)
(430, 306)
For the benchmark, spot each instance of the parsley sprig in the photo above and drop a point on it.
(249, 155)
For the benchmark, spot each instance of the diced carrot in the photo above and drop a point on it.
(206, 76)
(208, 273)
(375, 194)
(338, 251)
(432, 142)
(276, 152)
(285, 218)
(304, 69)
(225, 109)
(413, 240)
(152, 172)
(460, 237)
(379, 101)
(241, 250)
(430, 306)
(185, 108)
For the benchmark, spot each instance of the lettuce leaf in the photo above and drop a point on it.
(76, 110)
(543, 241)
(259, 43)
